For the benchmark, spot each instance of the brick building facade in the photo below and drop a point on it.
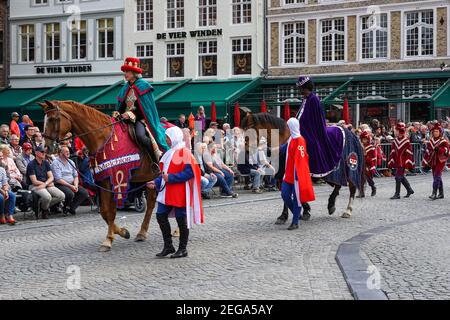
(383, 56)
(4, 36)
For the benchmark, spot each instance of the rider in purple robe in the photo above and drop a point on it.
(324, 144)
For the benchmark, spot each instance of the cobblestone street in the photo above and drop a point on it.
(238, 254)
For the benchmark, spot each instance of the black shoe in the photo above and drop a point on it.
(441, 193)
(306, 216)
(395, 197)
(361, 195)
(72, 211)
(206, 196)
(166, 251)
(45, 214)
(409, 193)
(433, 195)
(293, 227)
(374, 192)
(181, 253)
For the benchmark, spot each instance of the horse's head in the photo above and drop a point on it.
(246, 116)
(57, 123)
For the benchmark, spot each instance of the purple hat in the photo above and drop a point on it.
(303, 80)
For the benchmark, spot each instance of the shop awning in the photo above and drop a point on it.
(188, 97)
(441, 97)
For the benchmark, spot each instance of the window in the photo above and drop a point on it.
(207, 13)
(242, 11)
(145, 53)
(63, 1)
(40, 2)
(78, 40)
(52, 41)
(175, 60)
(175, 14)
(419, 33)
(242, 56)
(207, 52)
(26, 35)
(144, 15)
(294, 42)
(374, 33)
(106, 38)
(333, 40)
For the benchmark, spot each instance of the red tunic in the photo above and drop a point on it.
(401, 155)
(370, 156)
(297, 170)
(437, 154)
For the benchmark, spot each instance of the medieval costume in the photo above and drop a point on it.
(370, 157)
(180, 196)
(436, 157)
(297, 185)
(137, 102)
(400, 159)
(325, 144)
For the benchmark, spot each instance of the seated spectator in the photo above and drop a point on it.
(37, 140)
(265, 165)
(208, 180)
(25, 121)
(40, 180)
(66, 180)
(16, 149)
(4, 134)
(247, 167)
(15, 176)
(225, 177)
(23, 160)
(28, 137)
(84, 167)
(7, 200)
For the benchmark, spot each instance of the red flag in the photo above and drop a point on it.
(345, 112)
(286, 111)
(213, 112)
(237, 115)
(191, 121)
(263, 106)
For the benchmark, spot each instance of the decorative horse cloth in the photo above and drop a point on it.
(116, 161)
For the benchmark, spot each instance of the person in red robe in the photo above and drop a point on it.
(296, 187)
(436, 157)
(370, 156)
(179, 193)
(400, 159)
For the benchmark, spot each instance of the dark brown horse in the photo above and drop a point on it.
(261, 122)
(94, 129)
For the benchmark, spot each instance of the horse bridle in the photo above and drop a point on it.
(59, 113)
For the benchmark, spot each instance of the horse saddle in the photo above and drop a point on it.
(151, 151)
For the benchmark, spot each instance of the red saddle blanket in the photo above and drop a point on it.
(116, 161)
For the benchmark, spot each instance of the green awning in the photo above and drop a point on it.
(441, 98)
(188, 97)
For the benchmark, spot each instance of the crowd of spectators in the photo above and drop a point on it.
(33, 179)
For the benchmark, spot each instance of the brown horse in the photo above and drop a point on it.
(94, 129)
(265, 121)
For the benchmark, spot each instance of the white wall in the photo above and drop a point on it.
(224, 22)
(104, 72)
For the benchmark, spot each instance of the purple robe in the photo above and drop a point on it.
(324, 144)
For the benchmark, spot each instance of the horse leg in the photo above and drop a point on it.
(332, 199)
(108, 212)
(348, 212)
(151, 201)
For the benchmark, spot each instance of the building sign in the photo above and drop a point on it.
(64, 69)
(192, 34)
